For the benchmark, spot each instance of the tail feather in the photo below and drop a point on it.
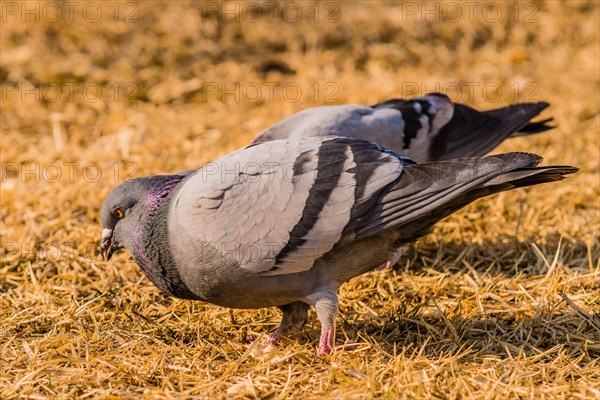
(472, 133)
(528, 128)
(425, 193)
(535, 127)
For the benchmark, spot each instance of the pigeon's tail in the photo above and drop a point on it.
(428, 192)
(521, 114)
(535, 127)
(520, 177)
(474, 133)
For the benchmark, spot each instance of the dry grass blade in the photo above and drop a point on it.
(595, 322)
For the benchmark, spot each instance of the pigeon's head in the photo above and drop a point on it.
(121, 213)
(128, 206)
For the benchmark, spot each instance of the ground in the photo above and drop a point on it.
(500, 301)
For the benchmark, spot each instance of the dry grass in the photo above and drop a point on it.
(501, 301)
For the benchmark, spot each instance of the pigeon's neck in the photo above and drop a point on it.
(156, 197)
(152, 251)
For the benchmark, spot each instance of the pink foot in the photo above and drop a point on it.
(272, 339)
(325, 342)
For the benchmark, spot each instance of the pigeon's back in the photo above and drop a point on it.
(428, 128)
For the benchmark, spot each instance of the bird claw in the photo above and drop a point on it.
(273, 339)
(326, 350)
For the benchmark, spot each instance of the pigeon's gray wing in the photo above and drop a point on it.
(276, 207)
(424, 129)
(428, 192)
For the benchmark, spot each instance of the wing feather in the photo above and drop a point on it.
(296, 205)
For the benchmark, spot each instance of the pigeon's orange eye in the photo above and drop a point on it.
(118, 213)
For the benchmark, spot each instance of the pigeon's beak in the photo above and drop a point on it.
(106, 248)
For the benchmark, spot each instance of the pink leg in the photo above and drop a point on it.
(325, 342)
(326, 305)
(273, 338)
(280, 332)
(294, 318)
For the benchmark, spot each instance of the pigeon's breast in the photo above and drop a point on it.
(212, 275)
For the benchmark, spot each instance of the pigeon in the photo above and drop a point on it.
(429, 128)
(284, 223)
